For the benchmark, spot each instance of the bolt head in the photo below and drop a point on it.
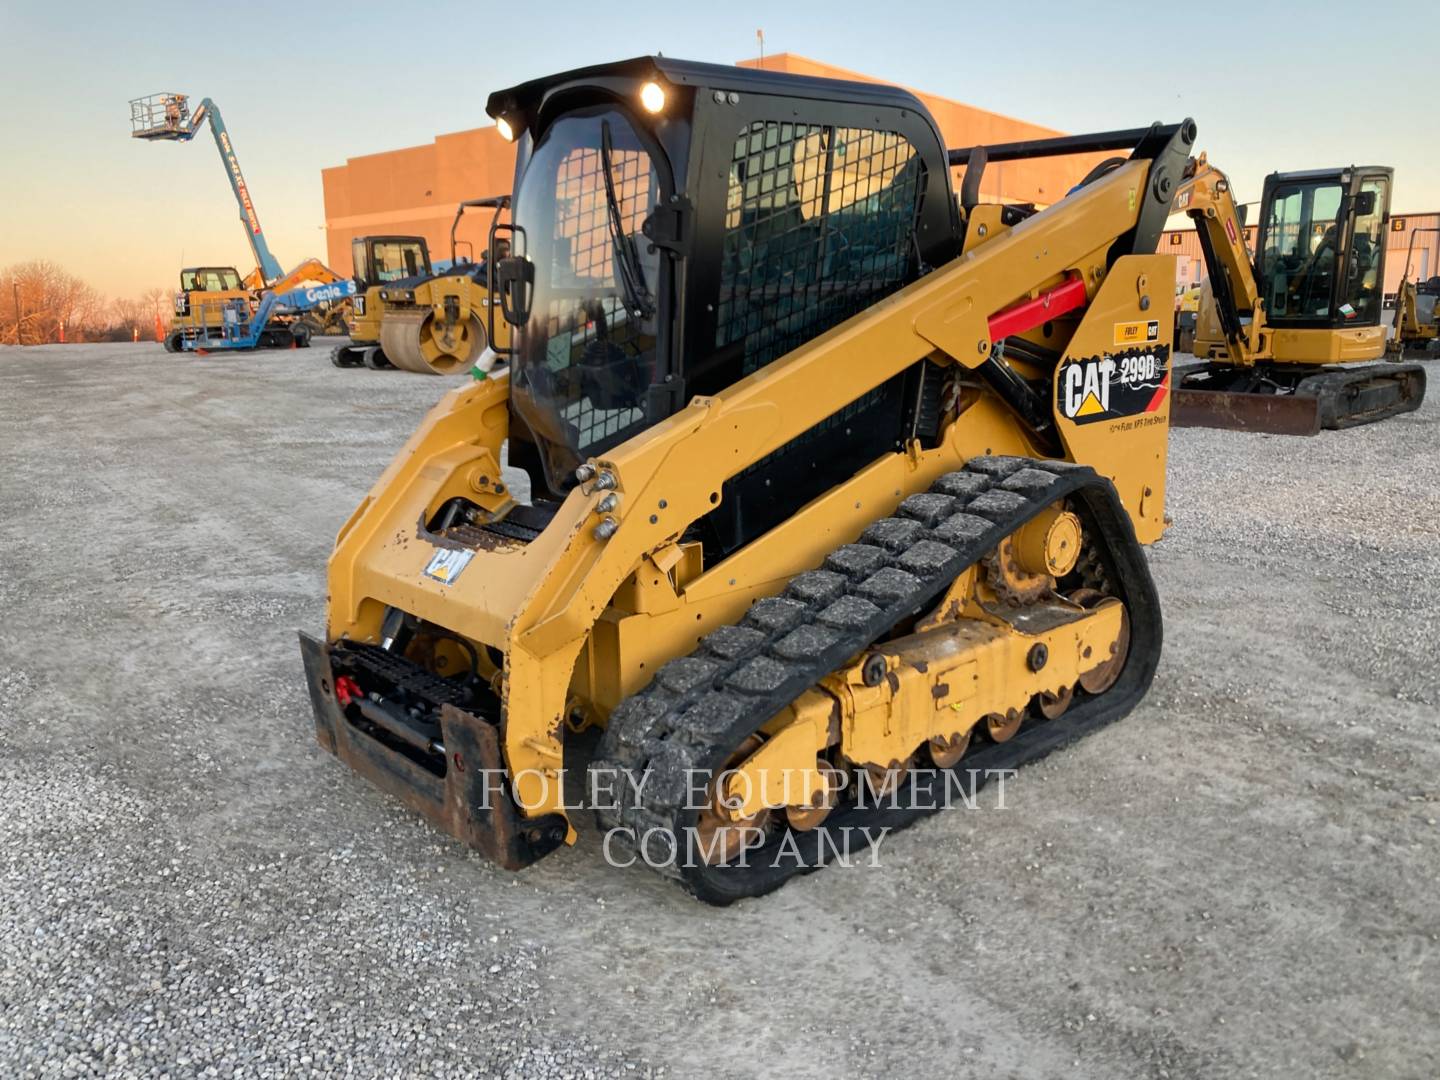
(608, 503)
(585, 473)
(605, 481)
(1038, 657)
(606, 529)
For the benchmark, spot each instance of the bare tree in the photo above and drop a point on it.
(41, 303)
(38, 298)
(161, 305)
(129, 314)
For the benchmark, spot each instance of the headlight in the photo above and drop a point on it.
(652, 96)
(506, 131)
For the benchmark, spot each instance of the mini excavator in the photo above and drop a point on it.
(1285, 343)
(838, 483)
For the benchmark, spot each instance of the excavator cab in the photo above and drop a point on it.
(1321, 247)
(205, 291)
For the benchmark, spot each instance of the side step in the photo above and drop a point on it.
(1295, 402)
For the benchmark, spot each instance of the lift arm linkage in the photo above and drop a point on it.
(1206, 196)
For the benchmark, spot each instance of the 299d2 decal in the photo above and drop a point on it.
(1111, 387)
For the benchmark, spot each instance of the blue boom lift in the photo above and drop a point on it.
(239, 328)
(167, 117)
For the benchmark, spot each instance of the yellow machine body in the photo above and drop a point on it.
(568, 625)
(582, 621)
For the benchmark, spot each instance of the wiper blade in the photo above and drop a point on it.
(629, 272)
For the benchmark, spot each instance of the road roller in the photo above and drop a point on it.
(411, 317)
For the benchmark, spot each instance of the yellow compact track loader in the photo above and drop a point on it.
(837, 493)
(1284, 343)
(408, 316)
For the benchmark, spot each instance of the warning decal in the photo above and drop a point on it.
(445, 566)
(1110, 387)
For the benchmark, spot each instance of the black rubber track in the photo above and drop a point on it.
(688, 721)
(1350, 397)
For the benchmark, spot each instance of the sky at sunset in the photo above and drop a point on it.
(304, 86)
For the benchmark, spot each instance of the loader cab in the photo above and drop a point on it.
(1320, 252)
(676, 227)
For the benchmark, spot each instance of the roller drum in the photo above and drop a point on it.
(418, 341)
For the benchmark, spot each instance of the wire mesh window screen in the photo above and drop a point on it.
(820, 224)
(586, 318)
(582, 223)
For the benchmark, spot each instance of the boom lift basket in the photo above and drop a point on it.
(159, 116)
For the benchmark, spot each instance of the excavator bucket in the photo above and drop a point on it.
(1331, 399)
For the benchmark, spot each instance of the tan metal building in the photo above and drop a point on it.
(415, 190)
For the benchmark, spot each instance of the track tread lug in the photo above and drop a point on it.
(964, 528)
(760, 675)
(816, 587)
(997, 506)
(998, 465)
(733, 642)
(893, 534)
(926, 559)
(888, 585)
(776, 614)
(929, 508)
(805, 641)
(856, 561)
(961, 485)
(1028, 482)
(686, 673)
(849, 613)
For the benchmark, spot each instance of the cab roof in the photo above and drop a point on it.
(528, 98)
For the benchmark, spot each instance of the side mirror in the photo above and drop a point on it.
(1365, 204)
(515, 282)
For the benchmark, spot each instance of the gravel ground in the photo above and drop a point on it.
(1239, 880)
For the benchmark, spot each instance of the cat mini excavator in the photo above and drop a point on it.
(838, 487)
(1285, 342)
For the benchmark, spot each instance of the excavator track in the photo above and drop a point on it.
(1295, 401)
(663, 743)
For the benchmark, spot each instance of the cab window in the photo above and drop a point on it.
(1361, 296)
(392, 260)
(1302, 250)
